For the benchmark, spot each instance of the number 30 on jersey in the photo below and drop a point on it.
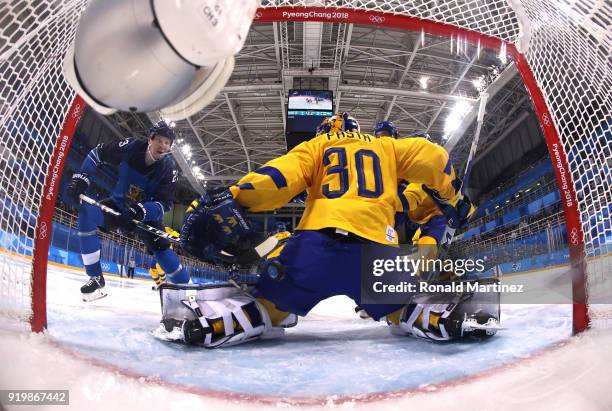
(363, 175)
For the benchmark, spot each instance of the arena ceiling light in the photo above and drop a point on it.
(453, 121)
(479, 83)
(186, 150)
(197, 172)
(423, 81)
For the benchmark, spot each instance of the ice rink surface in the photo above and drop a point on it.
(104, 354)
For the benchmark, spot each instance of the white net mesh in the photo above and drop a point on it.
(569, 53)
(33, 101)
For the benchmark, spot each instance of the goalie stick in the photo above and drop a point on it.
(449, 232)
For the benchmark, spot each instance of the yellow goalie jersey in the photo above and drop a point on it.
(351, 179)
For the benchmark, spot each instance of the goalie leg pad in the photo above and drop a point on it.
(468, 314)
(213, 316)
(230, 321)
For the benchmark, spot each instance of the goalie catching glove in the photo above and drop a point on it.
(458, 214)
(216, 228)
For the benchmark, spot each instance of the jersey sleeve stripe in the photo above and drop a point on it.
(246, 186)
(448, 168)
(402, 197)
(274, 173)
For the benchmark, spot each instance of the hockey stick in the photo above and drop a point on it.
(261, 250)
(468, 165)
(139, 224)
(449, 232)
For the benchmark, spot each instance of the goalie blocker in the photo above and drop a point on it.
(216, 229)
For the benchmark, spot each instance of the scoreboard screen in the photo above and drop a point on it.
(306, 109)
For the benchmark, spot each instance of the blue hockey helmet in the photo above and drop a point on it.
(161, 128)
(338, 122)
(386, 126)
(422, 135)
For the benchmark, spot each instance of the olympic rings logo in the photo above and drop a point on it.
(77, 111)
(377, 19)
(574, 236)
(43, 231)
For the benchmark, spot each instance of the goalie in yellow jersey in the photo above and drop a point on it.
(352, 184)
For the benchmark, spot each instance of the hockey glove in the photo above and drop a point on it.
(137, 212)
(457, 215)
(213, 223)
(79, 183)
(229, 223)
(195, 235)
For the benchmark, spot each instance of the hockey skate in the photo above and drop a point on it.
(93, 289)
(478, 324)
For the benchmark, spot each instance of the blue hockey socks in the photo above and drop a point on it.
(169, 262)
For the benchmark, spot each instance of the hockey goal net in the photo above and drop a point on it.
(563, 59)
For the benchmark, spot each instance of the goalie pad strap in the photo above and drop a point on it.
(410, 325)
(226, 314)
(238, 312)
(193, 306)
(235, 308)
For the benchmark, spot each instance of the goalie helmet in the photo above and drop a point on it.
(149, 55)
(386, 128)
(338, 122)
(421, 135)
